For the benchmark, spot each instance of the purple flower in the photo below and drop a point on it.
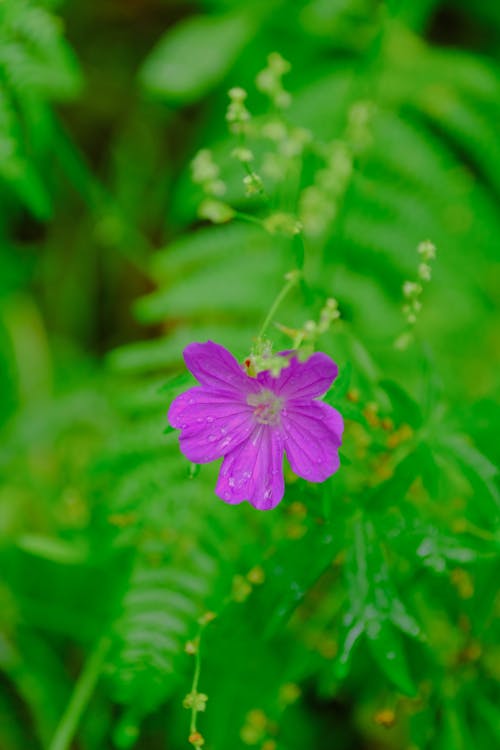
(251, 422)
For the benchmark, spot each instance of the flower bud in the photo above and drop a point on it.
(215, 211)
(282, 223)
(427, 250)
(253, 184)
(424, 271)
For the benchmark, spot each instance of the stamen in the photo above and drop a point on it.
(267, 406)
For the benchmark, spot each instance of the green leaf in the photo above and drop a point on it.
(55, 550)
(340, 385)
(374, 609)
(194, 56)
(387, 649)
(479, 468)
(404, 406)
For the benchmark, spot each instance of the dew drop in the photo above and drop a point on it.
(212, 438)
(191, 401)
(210, 419)
(231, 482)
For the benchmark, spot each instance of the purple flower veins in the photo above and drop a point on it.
(252, 421)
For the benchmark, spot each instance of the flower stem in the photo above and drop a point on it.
(80, 697)
(292, 278)
(249, 218)
(194, 686)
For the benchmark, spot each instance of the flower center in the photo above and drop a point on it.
(267, 406)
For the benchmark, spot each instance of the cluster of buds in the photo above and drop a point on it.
(243, 585)
(243, 154)
(255, 729)
(427, 253)
(253, 184)
(319, 202)
(237, 114)
(206, 173)
(358, 133)
(412, 290)
(289, 142)
(262, 358)
(305, 338)
(282, 223)
(269, 81)
(196, 701)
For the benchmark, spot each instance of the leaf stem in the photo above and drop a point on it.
(292, 278)
(80, 697)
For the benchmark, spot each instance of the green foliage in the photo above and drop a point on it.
(36, 67)
(174, 73)
(361, 612)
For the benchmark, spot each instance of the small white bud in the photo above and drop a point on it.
(243, 154)
(411, 289)
(237, 94)
(253, 183)
(427, 250)
(424, 271)
(215, 211)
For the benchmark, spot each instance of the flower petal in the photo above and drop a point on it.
(313, 434)
(216, 368)
(211, 423)
(253, 470)
(302, 380)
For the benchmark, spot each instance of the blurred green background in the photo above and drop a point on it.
(361, 614)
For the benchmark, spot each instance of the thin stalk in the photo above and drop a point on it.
(80, 697)
(194, 687)
(249, 218)
(292, 279)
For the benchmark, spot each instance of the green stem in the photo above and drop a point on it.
(81, 695)
(194, 687)
(249, 218)
(293, 277)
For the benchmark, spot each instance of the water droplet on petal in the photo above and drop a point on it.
(212, 438)
(210, 419)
